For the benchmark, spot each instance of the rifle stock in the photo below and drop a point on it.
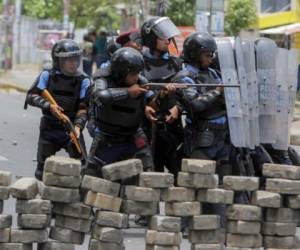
(65, 119)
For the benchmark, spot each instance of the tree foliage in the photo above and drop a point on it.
(241, 14)
(182, 12)
(83, 13)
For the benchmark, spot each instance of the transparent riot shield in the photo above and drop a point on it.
(282, 101)
(232, 95)
(293, 63)
(249, 56)
(242, 76)
(265, 63)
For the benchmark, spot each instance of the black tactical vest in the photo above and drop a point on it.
(120, 117)
(161, 70)
(66, 92)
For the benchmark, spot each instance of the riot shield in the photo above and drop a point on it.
(292, 81)
(249, 56)
(242, 76)
(282, 100)
(232, 95)
(265, 62)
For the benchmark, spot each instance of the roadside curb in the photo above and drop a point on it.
(8, 86)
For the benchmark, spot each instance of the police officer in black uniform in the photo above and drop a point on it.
(206, 131)
(120, 102)
(160, 66)
(68, 85)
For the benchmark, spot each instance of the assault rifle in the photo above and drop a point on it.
(67, 123)
(161, 86)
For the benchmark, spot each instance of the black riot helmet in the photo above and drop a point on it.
(195, 44)
(158, 27)
(112, 46)
(124, 61)
(64, 51)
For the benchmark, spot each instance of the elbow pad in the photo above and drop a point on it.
(81, 119)
(38, 101)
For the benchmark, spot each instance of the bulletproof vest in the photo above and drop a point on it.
(161, 70)
(121, 117)
(66, 92)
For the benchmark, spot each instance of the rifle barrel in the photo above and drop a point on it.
(187, 85)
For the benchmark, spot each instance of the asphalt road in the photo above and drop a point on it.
(18, 144)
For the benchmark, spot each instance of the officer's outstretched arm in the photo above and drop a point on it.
(197, 102)
(104, 95)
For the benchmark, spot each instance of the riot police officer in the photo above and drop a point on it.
(67, 83)
(120, 105)
(207, 129)
(166, 132)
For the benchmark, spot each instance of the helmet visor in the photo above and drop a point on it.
(71, 66)
(164, 28)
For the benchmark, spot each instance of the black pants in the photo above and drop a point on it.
(165, 144)
(52, 140)
(107, 149)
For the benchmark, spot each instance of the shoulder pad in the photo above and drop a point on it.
(102, 72)
(181, 74)
(142, 80)
(100, 84)
(177, 61)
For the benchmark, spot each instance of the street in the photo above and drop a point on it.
(18, 144)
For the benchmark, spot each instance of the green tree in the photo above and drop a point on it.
(90, 12)
(241, 14)
(182, 12)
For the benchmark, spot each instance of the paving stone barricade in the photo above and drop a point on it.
(58, 212)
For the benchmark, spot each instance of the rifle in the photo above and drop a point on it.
(68, 124)
(160, 86)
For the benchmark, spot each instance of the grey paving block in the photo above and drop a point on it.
(24, 188)
(63, 166)
(28, 236)
(59, 194)
(34, 221)
(112, 219)
(107, 234)
(5, 221)
(66, 235)
(77, 210)
(198, 166)
(15, 246)
(53, 245)
(75, 224)
(4, 192)
(165, 223)
(122, 170)
(51, 179)
(141, 194)
(5, 178)
(99, 185)
(34, 206)
(156, 180)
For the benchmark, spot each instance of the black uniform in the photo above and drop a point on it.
(166, 138)
(118, 116)
(69, 91)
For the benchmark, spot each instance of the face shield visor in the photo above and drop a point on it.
(164, 28)
(70, 63)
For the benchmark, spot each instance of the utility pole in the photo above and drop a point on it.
(6, 34)
(210, 16)
(17, 33)
(66, 15)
